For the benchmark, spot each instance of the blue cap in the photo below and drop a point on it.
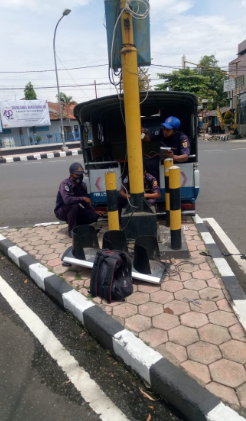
(76, 168)
(172, 123)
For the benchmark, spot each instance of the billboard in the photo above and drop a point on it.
(25, 113)
(229, 85)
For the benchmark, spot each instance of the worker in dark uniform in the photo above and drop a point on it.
(72, 204)
(169, 136)
(151, 191)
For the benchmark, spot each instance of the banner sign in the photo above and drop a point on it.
(25, 113)
(240, 81)
(1, 127)
(229, 85)
(220, 118)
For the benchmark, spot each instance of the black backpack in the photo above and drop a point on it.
(111, 276)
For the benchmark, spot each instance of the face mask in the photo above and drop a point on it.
(78, 180)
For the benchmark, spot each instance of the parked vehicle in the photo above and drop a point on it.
(103, 141)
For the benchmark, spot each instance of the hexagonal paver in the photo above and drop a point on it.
(138, 323)
(165, 321)
(203, 274)
(138, 298)
(162, 297)
(235, 351)
(241, 392)
(197, 370)
(59, 269)
(195, 284)
(223, 392)
(173, 352)
(204, 353)
(214, 334)
(205, 307)
(222, 318)
(237, 332)
(214, 283)
(151, 309)
(204, 266)
(178, 307)
(189, 268)
(172, 286)
(228, 373)
(148, 288)
(211, 294)
(193, 319)
(183, 276)
(183, 335)
(125, 310)
(154, 337)
(186, 293)
(224, 305)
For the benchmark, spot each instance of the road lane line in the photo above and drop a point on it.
(215, 150)
(230, 246)
(239, 149)
(89, 389)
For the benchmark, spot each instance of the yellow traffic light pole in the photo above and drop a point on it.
(225, 73)
(132, 106)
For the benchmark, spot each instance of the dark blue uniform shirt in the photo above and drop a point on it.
(70, 193)
(179, 142)
(150, 185)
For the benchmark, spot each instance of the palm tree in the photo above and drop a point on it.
(66, 102)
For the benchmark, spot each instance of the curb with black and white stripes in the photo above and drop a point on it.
(169, 381)
(229, 279)
(39, 156)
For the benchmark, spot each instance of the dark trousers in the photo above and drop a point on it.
(75, 215)
(152, 167)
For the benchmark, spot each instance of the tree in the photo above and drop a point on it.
(66, 102)
(184, 80)
(215, 88)
(143, 79)
(29, 92)
(228, 119)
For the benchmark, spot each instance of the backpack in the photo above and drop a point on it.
(111, 276)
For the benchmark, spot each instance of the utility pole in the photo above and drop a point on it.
(137, 218)
(235, 116)
(95, 83)
(184, 62)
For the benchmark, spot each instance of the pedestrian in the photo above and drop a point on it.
(72, 203)
(151, 191)
(170, 136)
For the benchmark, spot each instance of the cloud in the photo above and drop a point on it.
(43, 6)
(244, 3)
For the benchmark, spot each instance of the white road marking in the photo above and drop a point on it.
(89, 389)
(214, 150)
(227, 242)
(57, 160)
(239, 149)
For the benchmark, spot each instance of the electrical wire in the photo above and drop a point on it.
(71, 76)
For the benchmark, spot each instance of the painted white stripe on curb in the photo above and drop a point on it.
(37, 156)
(62, 154)
(240, 308)
(135, 353)
(38, 272)
(23, 158)
(76, 303)
(8, 160)
(223, 266)
(89, 389)
(223, 413)
(207, 237)
(14, 253)
(50, 155)
(46, 224)
(197, 219)
(2, 237)
(75, 153)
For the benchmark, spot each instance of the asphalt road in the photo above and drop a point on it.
(34, 387)
(28, 189)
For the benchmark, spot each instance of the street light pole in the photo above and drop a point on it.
(65, 13)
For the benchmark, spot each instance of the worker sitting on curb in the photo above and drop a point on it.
(151, 191)
(72, 204)
(169, 136)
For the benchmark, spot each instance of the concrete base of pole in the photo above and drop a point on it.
(137, 224)
(166, 252)
(64, 148)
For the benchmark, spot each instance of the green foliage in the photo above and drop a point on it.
(29, 91)
(66, 101)
(49, 136)
(184, 80)
(143, 80)
(31, 140)
(38, 138)
(229, 119)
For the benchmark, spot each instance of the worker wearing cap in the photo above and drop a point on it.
(72, 204)
(170, 136)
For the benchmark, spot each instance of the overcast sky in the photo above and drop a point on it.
(191, 27)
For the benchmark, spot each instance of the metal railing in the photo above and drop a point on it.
(8, 141)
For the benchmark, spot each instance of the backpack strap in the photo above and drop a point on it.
(95, 274)
(105, 287)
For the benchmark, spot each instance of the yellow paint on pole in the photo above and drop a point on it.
(110, 179)
(111, 189)
(113, 221)
(132, 103)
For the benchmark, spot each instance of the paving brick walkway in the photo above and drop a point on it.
(205, 340)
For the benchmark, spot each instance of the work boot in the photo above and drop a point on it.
(70, 233)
